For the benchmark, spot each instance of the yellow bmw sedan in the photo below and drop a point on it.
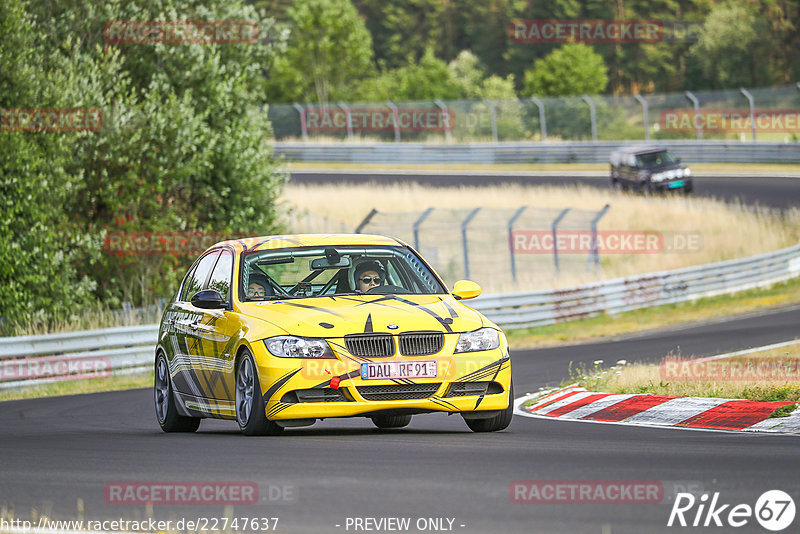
(277, 332)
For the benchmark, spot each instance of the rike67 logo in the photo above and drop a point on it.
(774, 510)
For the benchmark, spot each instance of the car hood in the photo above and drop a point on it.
(341, 315)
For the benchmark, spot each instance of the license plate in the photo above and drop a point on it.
(673, 185)
(384, 370)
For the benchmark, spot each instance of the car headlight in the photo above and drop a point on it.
(481, 339)
(298, 347)
(687, 172)
(657, 177)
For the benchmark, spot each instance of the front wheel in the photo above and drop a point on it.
(391, 421)
(166, 411)
(496, 423)
(250, 410)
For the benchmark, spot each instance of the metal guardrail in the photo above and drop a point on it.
(34, 360)
(31, 360)
(539, 308)
(531, 152)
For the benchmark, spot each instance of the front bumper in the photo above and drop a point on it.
(306, 389)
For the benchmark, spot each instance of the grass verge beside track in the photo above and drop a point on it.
(650, 318)
(75, 387)
(768, 375)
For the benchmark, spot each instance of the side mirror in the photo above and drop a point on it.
(209, 299)
(466, 289)
(678, 160)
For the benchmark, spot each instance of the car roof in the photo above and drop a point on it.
(640, 149)
(306, 240)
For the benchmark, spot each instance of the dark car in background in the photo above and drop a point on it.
(649, 169)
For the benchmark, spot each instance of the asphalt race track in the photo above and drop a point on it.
(54, 451)
(321, 479)
(775, 192)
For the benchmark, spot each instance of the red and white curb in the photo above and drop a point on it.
(575, 403)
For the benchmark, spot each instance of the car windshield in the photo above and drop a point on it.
(335, 270)
(654, 159)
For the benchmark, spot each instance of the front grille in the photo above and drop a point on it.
(315, 395)
(421, 344)
(370, 345)
(398, 392)
(466, 389)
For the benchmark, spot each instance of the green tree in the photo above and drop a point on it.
(40, 247)
(407, 27)
(328, 54)
(468, 72)
(735, 47)
(183, 146)
(573, 69)
(426, 79)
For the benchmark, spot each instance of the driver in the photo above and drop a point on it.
(370, 274)
(258, 287)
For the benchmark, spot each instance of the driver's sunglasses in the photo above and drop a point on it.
(369, 280)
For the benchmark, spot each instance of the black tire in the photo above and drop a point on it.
(617, 186)
(496, 423)
(166, 411)
(646, 189)
(250, 410)
(391, 421)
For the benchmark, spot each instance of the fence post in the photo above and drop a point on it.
(542, 119)
(347, 118)
(592, 115)
(555, 241)
(303, 125)
(511, 222)
(493, 116)
(595, 252)
(366, 220)
(643, 102)
(464, 224)
(441, 105)
(696, 104)
(417, 224)
(750, 100)
(391, 106)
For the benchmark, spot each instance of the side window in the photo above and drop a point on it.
(186, 283)
(194, 282)
(221, 276)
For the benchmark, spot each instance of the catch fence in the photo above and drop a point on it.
(757, 114)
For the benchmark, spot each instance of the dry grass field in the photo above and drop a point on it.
(720, 231)
(766, 375)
